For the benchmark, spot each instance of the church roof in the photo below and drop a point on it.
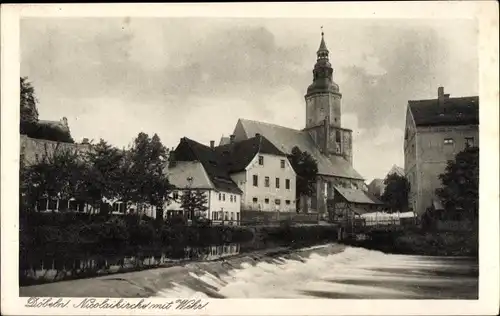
(237, 156)
(285, 139)
(454, 111)
(322, 45)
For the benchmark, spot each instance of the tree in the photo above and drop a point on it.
(396, 192)
(103, 172)
(28, 102)
(194, 202)
(29, 124)
(143, 171)
(56, 176)
(306, 168)
(460, 184)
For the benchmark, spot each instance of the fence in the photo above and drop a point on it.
(251, 217)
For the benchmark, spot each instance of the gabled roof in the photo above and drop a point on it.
(190, 150)
(238, 155)
(183, 170)
(453, 111)
(397, 170)
(285, 139)
(357, 196)
(224, 141)
(376, 182)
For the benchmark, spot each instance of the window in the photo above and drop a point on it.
(266, 182)
(255, 200)
(63, 205)
(223, 197)
(277, 201)
(469, 141)
(255, 181)
(287, 202)
(52, 204)
(220, 196)
(266, 201)
(448, 141)
(261, 160)
(277, 183)
(238, 217)
(73, 205)
(287, 184)
(337, 136)
(230, 198)
(282, 163)
(175, 195)
(225, 216)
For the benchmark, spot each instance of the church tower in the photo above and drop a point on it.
(323, 109)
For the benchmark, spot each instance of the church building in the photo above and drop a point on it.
(323, 137)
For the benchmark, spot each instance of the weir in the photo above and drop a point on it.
(323, 271)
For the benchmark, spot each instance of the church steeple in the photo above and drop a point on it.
(323, 109)
(322, 52)
(323, 71)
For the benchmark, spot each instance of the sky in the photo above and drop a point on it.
(194, 77)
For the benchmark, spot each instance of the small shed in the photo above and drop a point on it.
(349, 204)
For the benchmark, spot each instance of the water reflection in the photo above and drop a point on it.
(44, 268)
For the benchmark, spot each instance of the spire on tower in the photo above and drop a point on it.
(322, 51)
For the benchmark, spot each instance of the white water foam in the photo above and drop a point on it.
(353, 273)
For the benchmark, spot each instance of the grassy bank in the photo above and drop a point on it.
(423, 242)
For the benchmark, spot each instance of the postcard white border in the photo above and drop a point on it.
(485, 13)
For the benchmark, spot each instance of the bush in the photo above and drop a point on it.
(96, 232)
(176, 220)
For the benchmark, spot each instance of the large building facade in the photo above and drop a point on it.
(436, 130)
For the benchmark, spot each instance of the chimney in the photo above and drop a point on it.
(171, 159)
(85, 141)
(441, 95)
(231, 139)
(257, 134)
(212, 144)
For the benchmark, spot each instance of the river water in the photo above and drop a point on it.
(326, 271)
(355, 273)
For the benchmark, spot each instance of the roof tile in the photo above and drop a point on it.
(454, 111)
